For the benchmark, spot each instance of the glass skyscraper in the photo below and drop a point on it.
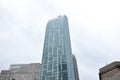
(57, 60)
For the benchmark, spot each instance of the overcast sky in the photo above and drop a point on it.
(94, 30)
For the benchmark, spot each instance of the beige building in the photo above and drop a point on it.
(21, 72)
(110, 72)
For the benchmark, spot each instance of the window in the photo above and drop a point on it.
(112, 77)
(50, 66)
(35, 78)
(64, 66)
(63, 76)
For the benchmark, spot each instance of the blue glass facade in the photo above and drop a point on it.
(57, 61)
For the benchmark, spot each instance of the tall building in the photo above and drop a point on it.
(75, 68)
(57, 60)
(21, 72)
(110, 72)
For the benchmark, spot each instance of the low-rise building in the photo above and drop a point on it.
(110, 72)
(21, 72)
(5, 75)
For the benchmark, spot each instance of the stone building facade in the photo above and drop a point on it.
(5, 75)
(21, 72)
(110, 72)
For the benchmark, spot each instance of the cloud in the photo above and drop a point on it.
(94, 30)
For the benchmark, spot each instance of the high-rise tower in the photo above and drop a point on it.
(75, 68)
(57, 60)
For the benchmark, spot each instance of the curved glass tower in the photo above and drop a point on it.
(57, 60)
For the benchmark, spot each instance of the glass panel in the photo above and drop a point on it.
(50, 66)
(64, 66)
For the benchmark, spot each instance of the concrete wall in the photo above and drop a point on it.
(110, 72)
(22, 72)
(113, 74)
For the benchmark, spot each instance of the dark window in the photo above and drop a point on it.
(65, 77)
(49, 73)
(50, 66)
(35, 79)
(64, 66)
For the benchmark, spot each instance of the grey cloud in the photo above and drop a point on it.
(94, 36)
